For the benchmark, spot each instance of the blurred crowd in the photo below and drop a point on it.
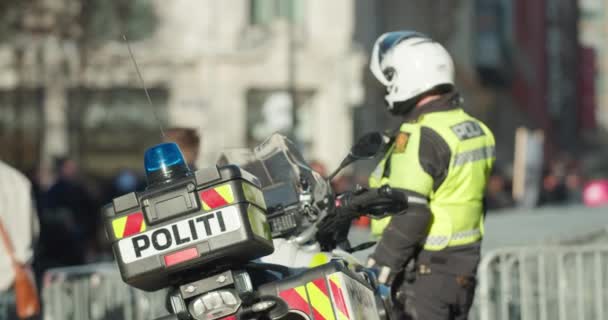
(72, 231)
(562, 183)
(68, 210)
(68, 202)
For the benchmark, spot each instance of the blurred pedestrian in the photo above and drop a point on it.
(554, 187)
(497, 196)
(188, 141)
(69, 219)
(125, 181)
(41, 179)
(574, 184)
(20, 222)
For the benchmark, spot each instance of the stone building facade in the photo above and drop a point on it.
(222, 67)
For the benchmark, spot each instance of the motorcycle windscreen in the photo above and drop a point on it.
(280, 166)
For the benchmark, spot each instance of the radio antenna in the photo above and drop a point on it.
(143, 85)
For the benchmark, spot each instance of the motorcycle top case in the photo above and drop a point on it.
(214, 217)
(327, 292)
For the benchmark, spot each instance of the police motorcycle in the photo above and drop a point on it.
(201, 235)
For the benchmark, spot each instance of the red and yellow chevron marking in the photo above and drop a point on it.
(314, 299)
(216, 197)
(320, 300)
(296, 298)
(129, 225)
(339, 302)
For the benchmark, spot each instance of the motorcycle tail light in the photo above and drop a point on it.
(180, 256)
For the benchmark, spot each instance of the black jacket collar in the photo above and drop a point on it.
(447, 101)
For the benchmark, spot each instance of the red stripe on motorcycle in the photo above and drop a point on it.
(133, 224)
(213, 199)
(339, 299)
(320, 283)
(295, 301)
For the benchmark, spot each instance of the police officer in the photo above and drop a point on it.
(441, 157)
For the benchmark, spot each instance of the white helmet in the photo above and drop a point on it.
(410, 64)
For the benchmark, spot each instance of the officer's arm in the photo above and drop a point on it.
(402, 236)
(417, 171)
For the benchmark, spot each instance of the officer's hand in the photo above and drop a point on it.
(333, 227)
(386, 274)
(331, 222)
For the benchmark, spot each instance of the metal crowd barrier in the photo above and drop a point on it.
(547, 282)
(558, 282)
(96, 292)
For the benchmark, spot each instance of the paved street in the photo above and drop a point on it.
(522, 227)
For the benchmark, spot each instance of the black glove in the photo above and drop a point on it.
(376, 202)
(333, 229)
(346, 199)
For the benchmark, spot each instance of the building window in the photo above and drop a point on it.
(270, 111)
(108, 20)
(110, 129)
(21, 127)
(266, 11)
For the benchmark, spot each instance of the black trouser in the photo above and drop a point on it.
(440, 296)
(436, 296)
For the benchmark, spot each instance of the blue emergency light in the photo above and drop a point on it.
(164, 162)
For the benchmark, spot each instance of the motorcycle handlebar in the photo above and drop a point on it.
(360, 201)
(375, 202)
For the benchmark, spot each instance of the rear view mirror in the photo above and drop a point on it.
(368, 146)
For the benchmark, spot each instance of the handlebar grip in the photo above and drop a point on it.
(358, 201)
(371, 197)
